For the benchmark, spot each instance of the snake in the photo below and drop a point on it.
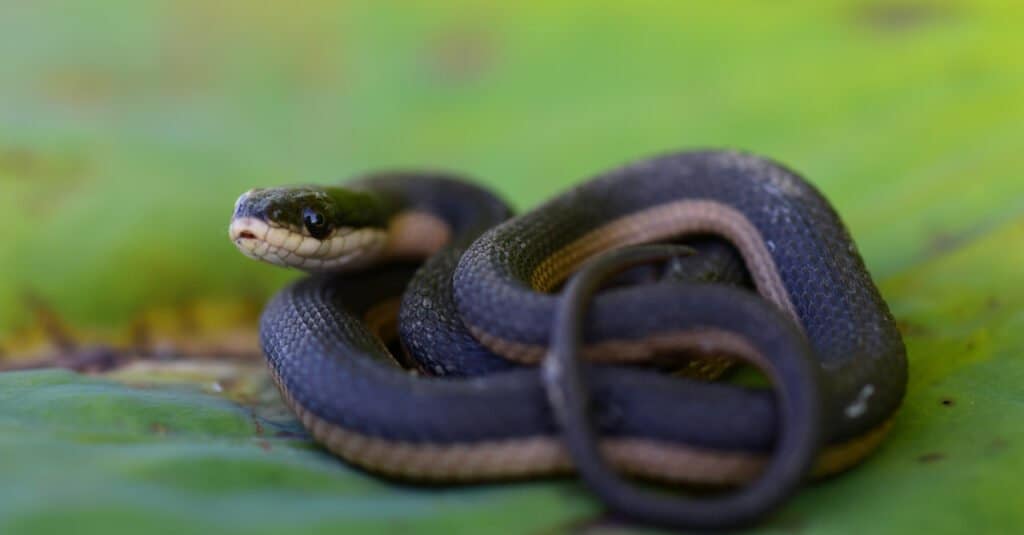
(439, 338)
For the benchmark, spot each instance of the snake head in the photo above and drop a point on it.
(311, 228)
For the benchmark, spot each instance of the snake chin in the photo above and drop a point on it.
(345, 248)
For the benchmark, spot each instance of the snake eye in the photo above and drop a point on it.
(316, 223)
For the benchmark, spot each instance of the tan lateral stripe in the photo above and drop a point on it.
(544, 455)
(666, 221)
(839, 457)
(706, 342)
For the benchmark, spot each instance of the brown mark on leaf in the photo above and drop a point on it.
(997, 445)
(931, 457)
(901, 16)
(947, 402)
(18, 162)
(910, 328)
(946, 242)
(50, 322)
(158, 428)
(79, 85)
(943, 242)
(53, 178)
(462, 54)
(54, 169)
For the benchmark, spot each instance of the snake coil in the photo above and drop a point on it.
(774, 280)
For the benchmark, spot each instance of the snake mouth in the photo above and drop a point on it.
(280, 245)
(248, 228)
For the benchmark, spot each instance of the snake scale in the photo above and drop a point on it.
(761, 270)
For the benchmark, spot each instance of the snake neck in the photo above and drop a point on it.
(428, 212)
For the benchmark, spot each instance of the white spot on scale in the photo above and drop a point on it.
(552, 368)
(860, 405)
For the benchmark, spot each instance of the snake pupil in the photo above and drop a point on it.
(316, 223)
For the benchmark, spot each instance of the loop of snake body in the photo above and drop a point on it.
(769, 276)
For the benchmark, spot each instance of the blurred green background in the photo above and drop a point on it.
(127, 129)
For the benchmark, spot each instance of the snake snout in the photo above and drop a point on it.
(247, 228)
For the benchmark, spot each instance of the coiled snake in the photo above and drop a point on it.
(767, 274)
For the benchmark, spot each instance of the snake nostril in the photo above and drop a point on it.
(246, 235)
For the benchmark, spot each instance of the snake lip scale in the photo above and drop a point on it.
(769, 276)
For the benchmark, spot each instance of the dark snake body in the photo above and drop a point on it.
(336, 372)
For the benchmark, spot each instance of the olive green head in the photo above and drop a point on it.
(310, 227)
